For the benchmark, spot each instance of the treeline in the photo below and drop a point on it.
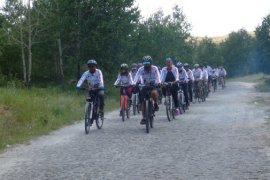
(49, 41)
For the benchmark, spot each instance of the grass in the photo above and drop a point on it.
(25, 113)
(254, 78)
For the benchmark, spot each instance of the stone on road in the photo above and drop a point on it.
(218, 139)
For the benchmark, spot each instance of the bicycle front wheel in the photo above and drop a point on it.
(87, 118)
(168, 108)
(147, 116)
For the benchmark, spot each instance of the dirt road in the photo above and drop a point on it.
(223, 138)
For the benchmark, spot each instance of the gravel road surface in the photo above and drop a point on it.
(224, 138)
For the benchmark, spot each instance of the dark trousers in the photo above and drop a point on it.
(190, 91)
(174, 91)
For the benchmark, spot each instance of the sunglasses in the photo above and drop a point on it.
(92, 66)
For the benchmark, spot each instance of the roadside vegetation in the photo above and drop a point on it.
(28, 113)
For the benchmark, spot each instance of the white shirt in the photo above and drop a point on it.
(148, 76)
(124, 79)
(93, 79)
(204, 74)
(197, 73)
(209, 70)
(222, 72)
(183, 75)
(190, 75)
(164, 72)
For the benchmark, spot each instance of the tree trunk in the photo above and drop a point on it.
(23, 57)
(60, 59)
(29, 45)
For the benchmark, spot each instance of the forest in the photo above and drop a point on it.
(47, 42)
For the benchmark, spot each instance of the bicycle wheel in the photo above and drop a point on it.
(151, 113)
(87, 118)
(123, 109)
(134, 104)
(99, 118)
(147, 116)
(168, 108)
(183, 102)
(128, 110)
(172, 108)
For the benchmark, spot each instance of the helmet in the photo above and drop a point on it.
(147, 60)
(196, 65)
(91, 62)
(134, 66)
(186, 65)
(179, 65)
(124, 66)
(169, 59)
(140, 65)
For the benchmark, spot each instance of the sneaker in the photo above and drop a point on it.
(156, 107)
(142, 122)
(177, 112)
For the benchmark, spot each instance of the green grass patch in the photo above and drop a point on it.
(26, 113)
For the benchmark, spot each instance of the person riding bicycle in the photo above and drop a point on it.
(204, 74)
(125, 78)
(190, 81)
(209, 73)
(94, 78)
(183, 81)
(222, 73)
(170, 74)
(134, 69)
(150, 75)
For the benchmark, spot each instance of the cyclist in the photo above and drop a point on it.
(134, 69)
(183, 78)
(222, 73)
(210, 73)
(204, 74)
(197, 73)
(125, 78)
(190, 81)
(170, 74)
(150, 75)
(94, 78)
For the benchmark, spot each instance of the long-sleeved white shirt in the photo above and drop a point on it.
(222, 72)
(124, 79)
(204, 74)
(152, 75)
(209, 70)
(190, 75)
(164, 72)
(93, 79)
(197, 73)
(183, 75)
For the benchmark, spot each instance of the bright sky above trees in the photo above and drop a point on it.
(213, 17)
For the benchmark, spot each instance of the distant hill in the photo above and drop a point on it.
(219, 39)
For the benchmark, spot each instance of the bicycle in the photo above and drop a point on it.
(124, 102)
(148, 106)
(135, 103)
(204, 91)
(214, 83)
(170, 108)
(222, 82)
(197, 91)
(182, 102)
(92, 112)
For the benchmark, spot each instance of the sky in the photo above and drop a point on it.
(213, 17)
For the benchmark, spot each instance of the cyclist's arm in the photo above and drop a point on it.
(117, 80)
(191, 76)
(176, 74)
(137, 76)
(130, 79)
(82, 79)
(162, 77)
(101, 81)
(157, 76)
